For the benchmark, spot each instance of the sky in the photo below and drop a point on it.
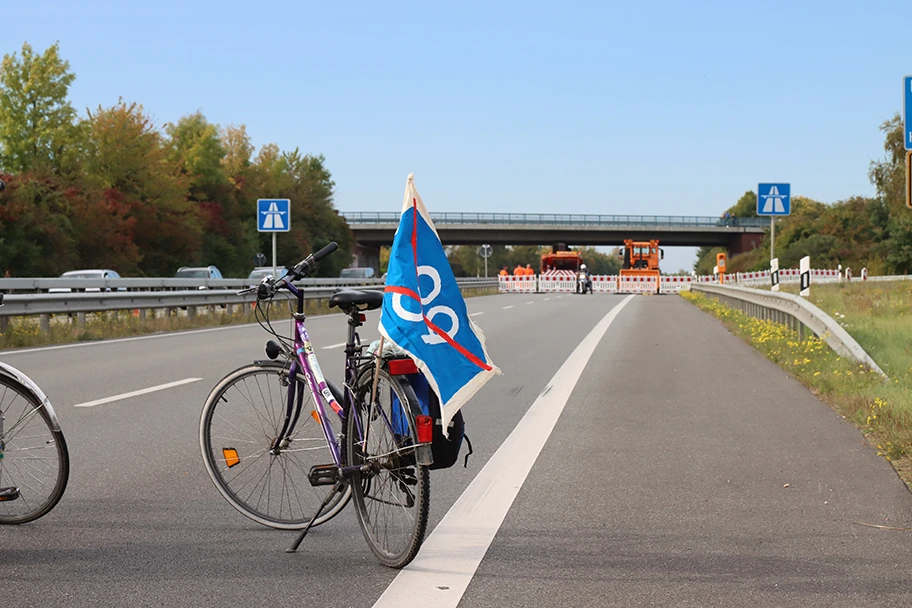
(658, 108)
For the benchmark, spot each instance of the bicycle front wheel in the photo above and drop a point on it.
(240, 421)
(391, 491)
(34, 461)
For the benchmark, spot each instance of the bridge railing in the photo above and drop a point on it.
(563, 219)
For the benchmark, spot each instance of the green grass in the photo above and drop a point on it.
(26, 332)
(881, 409)
(877, 314)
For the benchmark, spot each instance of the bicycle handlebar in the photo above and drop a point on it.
(269, 286)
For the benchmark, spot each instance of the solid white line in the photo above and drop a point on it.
(443, 569)
(331, 346)
(507, 307)
(143, 391)
(475, 314)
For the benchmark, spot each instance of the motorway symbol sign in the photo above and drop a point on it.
(774, 199)
(907, 112)
(273, 215)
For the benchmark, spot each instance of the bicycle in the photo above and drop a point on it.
(34, 460)
(259, 449)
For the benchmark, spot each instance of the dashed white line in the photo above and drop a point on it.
(546, 299)
(530, 302)
(507, 307)
(443, 569)
(475, 314)
(143, 391)
(331, 346)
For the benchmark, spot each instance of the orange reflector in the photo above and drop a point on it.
(315, 415)
(425, 428)
(231, 456)
(400, 367)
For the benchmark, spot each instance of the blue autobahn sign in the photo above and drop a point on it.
(774, 199)
(273, 215)
(907, 111)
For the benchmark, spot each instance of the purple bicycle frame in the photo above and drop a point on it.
(306, 359)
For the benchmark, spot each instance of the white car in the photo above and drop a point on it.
(103, 273)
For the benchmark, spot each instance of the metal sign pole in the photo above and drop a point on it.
(274, 255)
(772, 237)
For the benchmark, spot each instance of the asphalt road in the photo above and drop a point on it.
(663, 482)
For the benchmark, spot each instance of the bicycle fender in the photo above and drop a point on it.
(14, 374)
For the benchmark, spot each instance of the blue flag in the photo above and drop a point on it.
(424, 313)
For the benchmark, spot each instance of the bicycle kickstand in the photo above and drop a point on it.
(338, 487)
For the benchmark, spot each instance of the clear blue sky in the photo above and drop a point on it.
(664, 107)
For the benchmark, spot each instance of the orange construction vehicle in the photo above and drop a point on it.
(641, 258)
(561, 260)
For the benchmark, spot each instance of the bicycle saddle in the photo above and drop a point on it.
(347, 298)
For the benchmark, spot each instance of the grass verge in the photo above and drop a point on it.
(26, 331)
(882, 410)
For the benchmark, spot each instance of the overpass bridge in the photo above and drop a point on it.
(373, 230)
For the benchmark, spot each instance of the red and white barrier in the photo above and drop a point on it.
(637, 285)
(553, 281)
(514, 284)
(604, 284)
(675, 284)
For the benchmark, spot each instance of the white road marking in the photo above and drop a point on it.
(143, 391)
(332, 346)
(530, 302)
(446, 563)
(559, 297)
(475, 314)
(546, 299)
(507, 307)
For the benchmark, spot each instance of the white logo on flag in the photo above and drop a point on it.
(415, 317)
(773, 202)
(273, 218)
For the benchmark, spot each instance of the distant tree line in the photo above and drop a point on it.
(110, 189)
(857, 232)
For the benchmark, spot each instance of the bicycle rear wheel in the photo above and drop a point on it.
(240, 421)
(34, 461)
(392, 492)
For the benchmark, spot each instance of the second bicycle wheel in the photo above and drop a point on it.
(391, 492)
(34, 461)
(240, 421)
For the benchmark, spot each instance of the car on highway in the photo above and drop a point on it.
(93, 273)
(198, 272)
(256, 275)
(357, 273)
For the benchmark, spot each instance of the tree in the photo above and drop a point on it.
(888, 175)
(128, 162)
(37, 121)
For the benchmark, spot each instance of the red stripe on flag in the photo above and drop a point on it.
(404, 291)
(459, 347)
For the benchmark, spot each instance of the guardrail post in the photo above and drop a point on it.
(80, 319)
(44, 321)
(4, 324)
(191, 312)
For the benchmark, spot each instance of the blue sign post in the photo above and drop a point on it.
(773, 200)
(907, 113)
(273, 215)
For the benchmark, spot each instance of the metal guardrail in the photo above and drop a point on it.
(358, 217)
(101, 301)
(794, 311)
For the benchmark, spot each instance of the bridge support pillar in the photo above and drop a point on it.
(366, 256)
(744, 242)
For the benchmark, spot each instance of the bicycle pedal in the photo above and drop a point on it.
(323, 475)
(7, 494)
